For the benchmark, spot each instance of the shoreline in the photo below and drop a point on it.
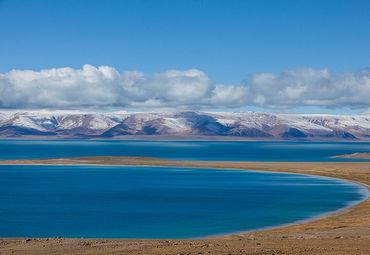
(362, 155)
(364, 190)
(348, 227)
(164, 138)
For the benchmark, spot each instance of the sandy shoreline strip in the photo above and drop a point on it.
(362, 155)
(345, 232)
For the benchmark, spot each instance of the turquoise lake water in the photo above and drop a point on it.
(164, 202)
(159, 202)
(190, 150)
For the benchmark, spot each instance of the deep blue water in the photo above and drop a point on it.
(190, 150)
(157, 202)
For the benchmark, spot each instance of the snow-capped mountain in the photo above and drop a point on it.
(183, 124)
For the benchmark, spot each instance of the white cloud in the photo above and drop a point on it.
(105, 87)
(309, 87)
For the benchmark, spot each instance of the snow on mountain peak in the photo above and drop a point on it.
(241, 124)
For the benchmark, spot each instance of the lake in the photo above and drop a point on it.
(156, 202)
(189, 150)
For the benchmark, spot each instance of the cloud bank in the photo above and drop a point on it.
(104, 86)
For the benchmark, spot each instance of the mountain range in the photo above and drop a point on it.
(189, 124)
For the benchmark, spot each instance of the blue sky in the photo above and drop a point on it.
(230, 41)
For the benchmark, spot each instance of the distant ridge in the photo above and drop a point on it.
(253, 125)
